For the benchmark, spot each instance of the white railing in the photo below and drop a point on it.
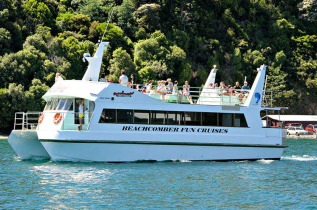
(26, 120)
(213, 96)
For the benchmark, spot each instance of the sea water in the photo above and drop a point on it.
(290, 183)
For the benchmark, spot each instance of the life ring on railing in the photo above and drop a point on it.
(57, 118)
(41, 118)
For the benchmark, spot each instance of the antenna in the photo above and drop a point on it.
(107, 23)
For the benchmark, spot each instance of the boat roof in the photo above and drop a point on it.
(293, 118)
(76, 88)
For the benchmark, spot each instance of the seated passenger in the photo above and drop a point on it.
(223, 89)
(102, 78)
(169, 85)
(149, 86)
(186, 92)
(245, 87)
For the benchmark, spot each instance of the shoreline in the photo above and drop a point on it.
(4, 136)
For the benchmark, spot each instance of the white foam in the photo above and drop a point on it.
(266, 161)
(300, 158)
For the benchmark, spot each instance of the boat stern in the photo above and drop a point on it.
(26, 144)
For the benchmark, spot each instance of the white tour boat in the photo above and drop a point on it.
(123, 124)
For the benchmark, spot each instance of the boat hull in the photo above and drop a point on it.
(27, 145)
(125, 151)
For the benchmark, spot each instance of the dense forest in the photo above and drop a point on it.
(157, 39)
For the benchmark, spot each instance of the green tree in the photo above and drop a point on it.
(147, 16)
(36, 13)
(22, 67)
(34, 95)
(125, 17)
(145, 50)
(5, 40)
(176, 61)
(121, 60)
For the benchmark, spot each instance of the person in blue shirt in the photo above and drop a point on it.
(246, 87)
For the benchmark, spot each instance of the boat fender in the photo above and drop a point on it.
(57, 118)
(41, 118)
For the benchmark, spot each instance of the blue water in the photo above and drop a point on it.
(287, 184)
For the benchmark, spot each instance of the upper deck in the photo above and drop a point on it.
(93, 91)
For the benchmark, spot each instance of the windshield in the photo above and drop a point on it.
(68, 104)
(61, 104)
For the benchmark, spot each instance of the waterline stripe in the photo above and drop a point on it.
(163, 143)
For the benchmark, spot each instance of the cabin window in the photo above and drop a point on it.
(225, 119)
(61, 104)
(210, 119)
(239, 121)
(193, 118)
(174, 118)
(141, 117)
(158, 117)
(124, 116)
(68, 104)
(48, 105)
(54, 104)
(108, 116)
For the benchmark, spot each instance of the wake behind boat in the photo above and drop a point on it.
(122, 124)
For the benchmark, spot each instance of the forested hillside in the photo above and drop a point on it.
(156, 40)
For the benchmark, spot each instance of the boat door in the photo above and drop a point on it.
(76, 113)
(89, 107)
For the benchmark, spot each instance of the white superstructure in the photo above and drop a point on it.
(123, 124)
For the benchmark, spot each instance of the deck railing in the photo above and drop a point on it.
(26, 120)
(198, 95)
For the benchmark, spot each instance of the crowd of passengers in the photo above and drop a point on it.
(168, 87)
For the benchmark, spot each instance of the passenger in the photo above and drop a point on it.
(216, 86)
(230, 90)
(123, 79)
(169, 85)
(81, 114)
(236, 90)
(186, 92)
(58, 78)
(89, 79)
(161, 88)
(245, 87)
(237, 86)
(102, 78)
(175, 88)
(149, 86)
(132, 80)
(177, 92)
(223, 88)
(211, 86)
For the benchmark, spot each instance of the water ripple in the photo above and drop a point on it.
(287, 184)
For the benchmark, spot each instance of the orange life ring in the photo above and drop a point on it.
(57, 118)
(41, 118)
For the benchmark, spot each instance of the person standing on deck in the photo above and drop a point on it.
(81, 114)
(123, 79)
(58, 77)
